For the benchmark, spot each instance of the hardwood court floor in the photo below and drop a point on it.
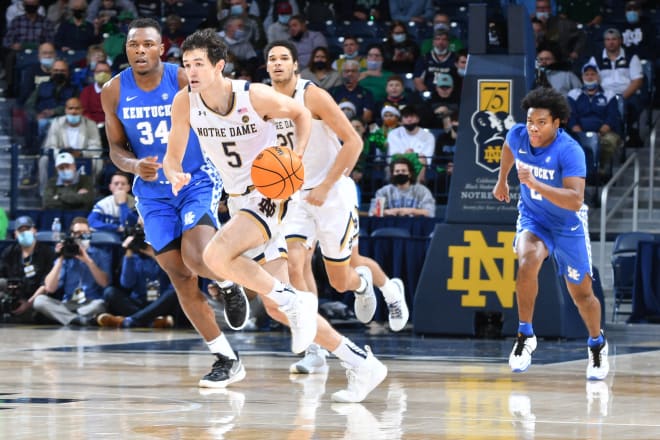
(61, 383)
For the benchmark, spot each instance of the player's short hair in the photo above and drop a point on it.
(286, 44)
(547, 98)
(140, 23)
(208, 40)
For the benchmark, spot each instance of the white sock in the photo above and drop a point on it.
(350, 353)
(279, 295)
(221, 345)
(390, 291)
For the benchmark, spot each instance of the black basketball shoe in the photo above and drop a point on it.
(237, 306)
(225, 371)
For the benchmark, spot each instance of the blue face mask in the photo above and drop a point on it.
(632, 16)
(73, 119)
(590, 85)
(543, 16)
(374, 65)
(283, 19)
(236, 10)
(399, 38)
(26, 238)
(239, 34)
(47, 62)
(66, 174)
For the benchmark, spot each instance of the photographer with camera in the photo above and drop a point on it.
(147, 297)
(23, 267)
(115, 212)
(81, 272)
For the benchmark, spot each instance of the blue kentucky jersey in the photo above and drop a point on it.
(562, 158)
(146, 117)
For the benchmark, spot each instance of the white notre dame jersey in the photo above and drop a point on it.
(323, 143)
(232, 141)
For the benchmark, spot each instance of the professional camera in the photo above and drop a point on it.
(70, 247)
(139, 241)
(10, 289)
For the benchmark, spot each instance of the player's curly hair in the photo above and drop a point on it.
(208, 40)
(547, 98)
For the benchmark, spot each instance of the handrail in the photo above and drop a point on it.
(605, 216)
(652, 167)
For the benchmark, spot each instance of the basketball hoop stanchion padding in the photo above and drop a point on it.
(470, 267)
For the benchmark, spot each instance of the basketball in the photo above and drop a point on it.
(277, 172)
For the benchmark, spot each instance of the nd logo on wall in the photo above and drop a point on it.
(477, 268)
(491, 121)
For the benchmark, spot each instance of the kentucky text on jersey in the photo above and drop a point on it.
(227, 131)
(153, 111)
(538, 172)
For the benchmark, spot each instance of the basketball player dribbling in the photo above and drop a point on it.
(137, 120)
(328, 205)
(232, 119)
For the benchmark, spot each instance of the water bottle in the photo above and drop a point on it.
(56, 229)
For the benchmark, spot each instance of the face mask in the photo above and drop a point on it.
(283, 19)
(374, 65)
(236, 10)
(31, 9)
(47, 62)
(399, 38)
(632, 16)
(400, 179)
(543, 16)
(350, 56)
(390, 122)
(65, 174)
(78, 13)
(461, 72)
(92, 65)
(590, 85)
(298, 36)
(410, 127)
(59, 78)
(26, 238)
(239, 34)
(440, 27)
(440, 52)
(73, 119)
(84, 243)
(102, 77)
(319, 65)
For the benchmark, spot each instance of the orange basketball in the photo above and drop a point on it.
(277, 172)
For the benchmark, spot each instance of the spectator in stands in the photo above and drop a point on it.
(90, 97)
(621, 73)
(562, 32)
(402, 196)
(146, 297)
(409, 139)
(116, 212)
(419, 11)
(70, 189)
(442, 21)
(173, 34)
(552, 72)
(461, 68)
(38, 72)
(443, 102)
(49, 98)
(272, 8)
(121, 5)
(72, 133)
(84, 75)
(320, 71)
(57, 12)
(252, 27)
(375, 147)
(400, 50)
(304, 40)
(81, 272)
(638, 33)
(17, 8)
(596, 110)
(25, 264)
(237, 42)
(26, 31)
(351, 91)
(279, 29)
(76, 33)
(439, 60)
(374, 77)
(397, 95)
(351, 47)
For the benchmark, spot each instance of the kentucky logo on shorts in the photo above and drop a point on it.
(491, 121)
